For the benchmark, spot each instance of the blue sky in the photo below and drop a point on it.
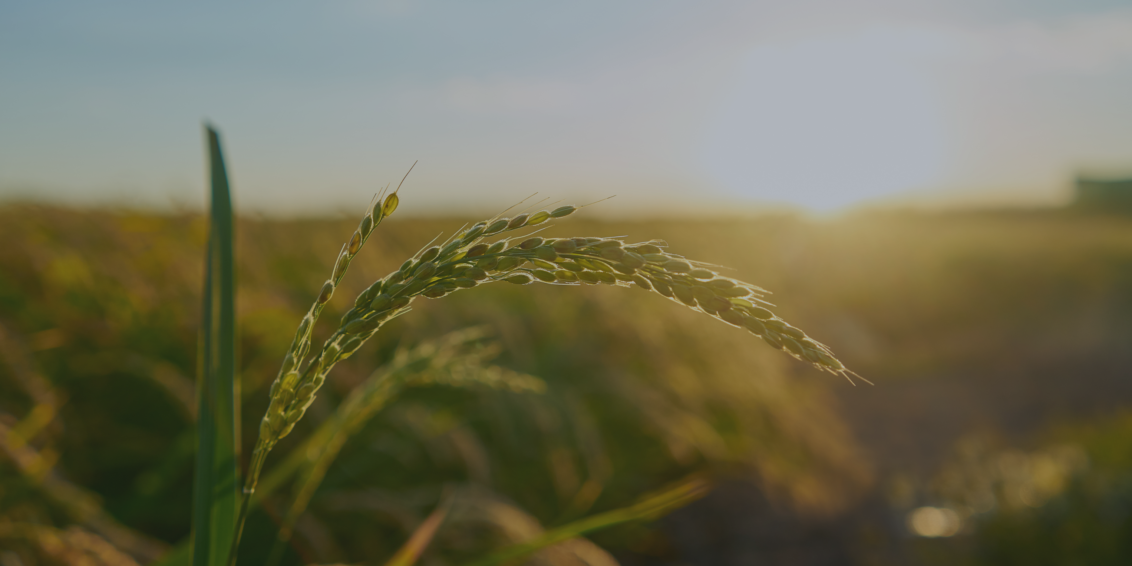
(821, 105)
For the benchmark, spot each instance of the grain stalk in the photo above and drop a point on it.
(488, 252)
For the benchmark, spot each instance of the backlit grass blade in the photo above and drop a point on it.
(215, 483)
(412, 549)
(647, 508)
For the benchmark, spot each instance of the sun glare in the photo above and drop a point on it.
(831, 122)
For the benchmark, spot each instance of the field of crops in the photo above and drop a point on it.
(1000, 345)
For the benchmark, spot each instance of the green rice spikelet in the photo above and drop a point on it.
(546, 253)
(677, 266)
(564, 275)
(390, 204)
(476, 250)
(497, 226)
(684, 294)
(565, 246)
(326, 292)
(544, 275)
(563, 211)
(517, 222)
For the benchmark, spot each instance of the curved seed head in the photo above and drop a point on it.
(326, 292)
(563, 211)
(538, 218)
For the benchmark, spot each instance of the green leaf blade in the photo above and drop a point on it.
(215, 486)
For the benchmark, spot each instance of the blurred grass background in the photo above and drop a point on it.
(999, 343)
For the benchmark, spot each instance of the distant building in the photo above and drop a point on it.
(1104, 194)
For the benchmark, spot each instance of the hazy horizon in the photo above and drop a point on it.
(673, 107)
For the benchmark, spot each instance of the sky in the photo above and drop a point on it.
(818, 105)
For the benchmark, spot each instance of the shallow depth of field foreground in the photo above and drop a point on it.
(997, 432)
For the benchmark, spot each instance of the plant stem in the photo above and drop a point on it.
(259, 455)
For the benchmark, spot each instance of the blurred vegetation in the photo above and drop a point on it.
(1004, 322)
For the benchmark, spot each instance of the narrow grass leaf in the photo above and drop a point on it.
(408, 554)
(215, 482)
(647, 508)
